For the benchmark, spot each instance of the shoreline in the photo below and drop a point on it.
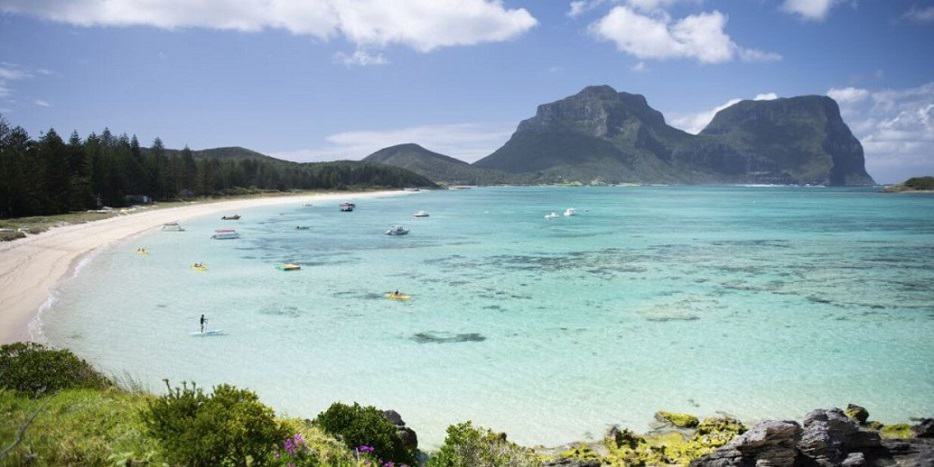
(31, 268)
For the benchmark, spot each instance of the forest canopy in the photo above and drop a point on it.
(50, 175)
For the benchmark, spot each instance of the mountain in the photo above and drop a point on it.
(437, 167)
(233, 153)
(600, 134)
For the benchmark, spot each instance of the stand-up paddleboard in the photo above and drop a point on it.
(208, 332)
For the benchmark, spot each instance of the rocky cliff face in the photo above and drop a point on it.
(599, 133)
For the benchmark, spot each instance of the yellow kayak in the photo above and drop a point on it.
(289, 267)
(142, 252)
(398, 297)
(199, 267)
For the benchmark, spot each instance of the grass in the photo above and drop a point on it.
(76, 427)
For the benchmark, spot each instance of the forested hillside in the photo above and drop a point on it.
(52, 176)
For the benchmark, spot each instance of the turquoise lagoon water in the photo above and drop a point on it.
(758, 302)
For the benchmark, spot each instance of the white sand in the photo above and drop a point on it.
(30, 268)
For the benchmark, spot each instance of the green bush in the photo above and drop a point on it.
(357, 426)
(228, 427)
(467, 446)
(34, 370)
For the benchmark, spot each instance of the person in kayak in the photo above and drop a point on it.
(203, 320)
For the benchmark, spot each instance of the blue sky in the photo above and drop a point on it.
(326, 79)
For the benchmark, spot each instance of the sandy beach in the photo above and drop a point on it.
(31, 267)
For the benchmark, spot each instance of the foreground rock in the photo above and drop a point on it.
(827, 438)
(406, 434)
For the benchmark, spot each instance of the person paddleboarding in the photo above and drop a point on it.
(203, 320)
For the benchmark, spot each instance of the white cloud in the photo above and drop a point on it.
(41, 103)
(360, 58)
(577, 8)
(465, 141)
(11, 72)
(848, 95)
(896, 128)
(656, 36)
(639, 67)
(423, 25)
(921, 15)
(814, 10)
(694, 123)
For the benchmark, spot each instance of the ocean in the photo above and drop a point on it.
(758, 302)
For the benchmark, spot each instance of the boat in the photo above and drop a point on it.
(400, 297)
(225, 234)
(302, 227)
(200, 267)
(234, 217)
(551, 215)
(570, 212)
(142, 251)
(413, 189)
(397, 230)
(289, 267)
(347, 207)
(420, 214)
(172, 227)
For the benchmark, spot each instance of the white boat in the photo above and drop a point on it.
(551, 215)
(225, 234)
(420, 214)
(172, 227)
(570, 212)
(347, 207)
(397, 230)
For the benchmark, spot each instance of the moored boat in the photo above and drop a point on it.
(225, 234)
(289, 267)
(234, 217)
(347, 207)
(397, 230)
(420, 214)
(551, 215)
(172, 227)
(570, 212)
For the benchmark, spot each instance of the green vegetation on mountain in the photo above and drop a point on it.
(925, 184)
(600, 135)
(52, 176)
(437, 167)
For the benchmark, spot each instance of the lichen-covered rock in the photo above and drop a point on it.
(924, 429)
(768, 444)
(875, 425)
(897, 431)
(680, 420)
(858, 413)
(618, 438)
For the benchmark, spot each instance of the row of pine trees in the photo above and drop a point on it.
(53, 176)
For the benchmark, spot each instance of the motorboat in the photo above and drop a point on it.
(234, 217)
(570, 212)
(397, 230)
(347, 207)
(225, 234)
(289, 267)
(302, 227)
(420, 214)
(172, 227)
(551, 215)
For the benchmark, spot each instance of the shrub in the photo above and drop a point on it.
(467, 446)
(33, 369)
(356, 426)
(228, 427)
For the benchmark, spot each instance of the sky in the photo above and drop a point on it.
(338, 79)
